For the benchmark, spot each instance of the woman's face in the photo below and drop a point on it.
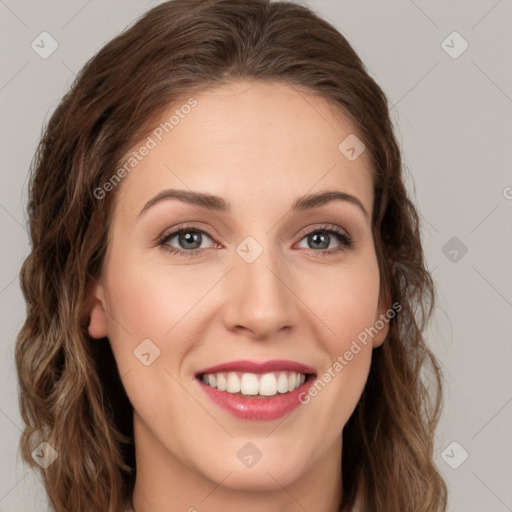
(250, 280)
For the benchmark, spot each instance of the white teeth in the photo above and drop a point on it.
(233, 384)
(249, 384)
(267, 384)
(221, 382)
(282, 383)
(292, 379)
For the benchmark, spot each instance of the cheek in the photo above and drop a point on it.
(164, 304)
(150, 302)
(346, 301)
(347, 305)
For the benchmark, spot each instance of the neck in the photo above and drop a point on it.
(166, 484)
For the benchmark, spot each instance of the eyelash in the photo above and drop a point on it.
(346, 241)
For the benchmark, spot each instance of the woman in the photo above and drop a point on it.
(226, 290)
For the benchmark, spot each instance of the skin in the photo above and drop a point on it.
(259, 146)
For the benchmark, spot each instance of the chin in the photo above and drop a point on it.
(262, 477)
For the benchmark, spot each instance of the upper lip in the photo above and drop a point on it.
(258, 367)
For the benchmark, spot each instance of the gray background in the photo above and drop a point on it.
(453, 117)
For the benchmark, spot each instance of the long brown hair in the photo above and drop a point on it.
(70, 393)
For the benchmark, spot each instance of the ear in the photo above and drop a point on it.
(384, 314)
(381, 325)
(98, 325)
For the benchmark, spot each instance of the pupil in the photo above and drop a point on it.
(190, 237)
(325, 243)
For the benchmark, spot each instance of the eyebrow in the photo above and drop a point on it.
(216, 203)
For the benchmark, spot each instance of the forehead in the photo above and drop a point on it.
(251, 142)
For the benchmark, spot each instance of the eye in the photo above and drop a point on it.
(188, 238)
(319, 239)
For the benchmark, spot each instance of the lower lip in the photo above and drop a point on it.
(257, 407)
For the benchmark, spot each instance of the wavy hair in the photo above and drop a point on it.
(70, 392)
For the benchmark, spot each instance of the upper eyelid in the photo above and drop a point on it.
(169, 235)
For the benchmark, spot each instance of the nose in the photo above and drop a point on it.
(260, 298)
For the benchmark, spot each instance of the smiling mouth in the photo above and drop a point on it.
(255, 385)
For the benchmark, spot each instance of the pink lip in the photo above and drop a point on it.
(256, 407)
(258, 367)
